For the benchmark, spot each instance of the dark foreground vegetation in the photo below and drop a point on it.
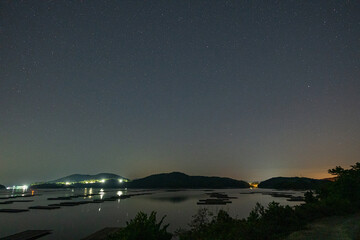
(340, 197)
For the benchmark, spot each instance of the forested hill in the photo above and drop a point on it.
(87, 177)
(181, 180)
(291, 183)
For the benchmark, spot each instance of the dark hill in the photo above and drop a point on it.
(2, 187)
(292, 183)
(82, 177)
(181, 180)
(110, 183)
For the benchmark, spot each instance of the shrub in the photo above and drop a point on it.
(143, 227)
(219, 227)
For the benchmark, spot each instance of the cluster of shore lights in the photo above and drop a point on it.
(23, 187)
(254, 184)
(87, 182)
(104, 180)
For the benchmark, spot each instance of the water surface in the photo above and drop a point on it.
(77, 222)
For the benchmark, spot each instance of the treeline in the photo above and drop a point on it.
(271, 222)
(300, 183)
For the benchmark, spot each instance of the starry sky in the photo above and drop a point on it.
(243, 89)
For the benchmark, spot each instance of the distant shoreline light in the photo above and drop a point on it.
(88, 181)
(22, 187)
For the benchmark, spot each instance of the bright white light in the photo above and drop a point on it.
(120, 180)
(86, 182)
(67, 183)
(103, 180)
(24, 187)
(119, 193)
(101, 193)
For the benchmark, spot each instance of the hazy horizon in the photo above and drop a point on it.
(27, 182)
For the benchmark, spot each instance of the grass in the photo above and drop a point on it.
(331, 228)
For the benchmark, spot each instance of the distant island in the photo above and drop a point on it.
(181, 180)
(176, 180)
(88, 178)
(101, 180)
(296, 183)
(163, 180)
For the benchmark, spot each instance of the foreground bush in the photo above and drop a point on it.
(206, 225)
(143, 227)
(272, 222)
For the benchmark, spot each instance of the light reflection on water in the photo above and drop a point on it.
(79, 221)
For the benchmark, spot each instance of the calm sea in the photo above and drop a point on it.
(76, 222)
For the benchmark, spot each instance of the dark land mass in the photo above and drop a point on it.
(165, 180)
(78, 181)
(2, 187)
(111, 183)
(298, 183)
(181, 180)
(83, 177)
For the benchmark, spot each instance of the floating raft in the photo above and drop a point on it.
(44, 207)
(250, 192)
(22, 200)
(102, 234)
(216, 199)
(13, 210)
(12, 201)
(220, 196)
(60, 198)
(281, 195)
(69, 204)
(28, 235)
(296, 199)
(20, 196)
(213, 202)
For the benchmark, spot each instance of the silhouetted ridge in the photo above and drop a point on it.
(291, 183)
(2, 187)
(86, 177)
(181, 180)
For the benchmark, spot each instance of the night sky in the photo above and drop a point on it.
(243, 89)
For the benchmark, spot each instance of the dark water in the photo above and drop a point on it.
(77, 222)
